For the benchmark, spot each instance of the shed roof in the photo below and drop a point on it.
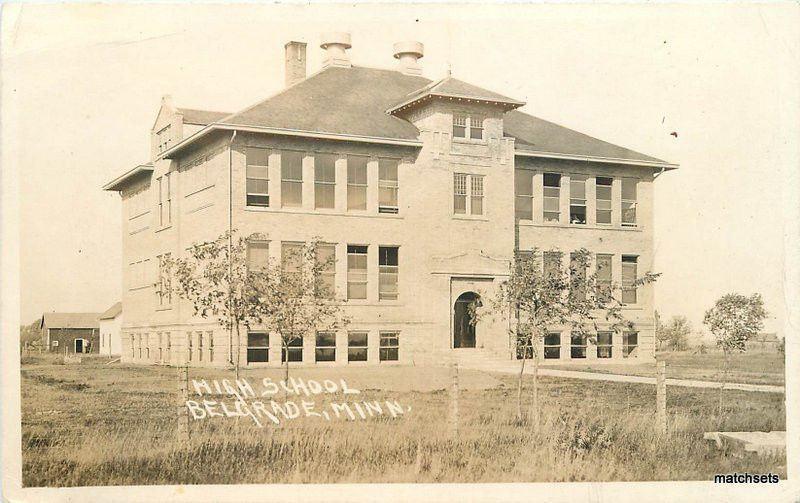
(71, 320)
(112, 312)
(200, 117)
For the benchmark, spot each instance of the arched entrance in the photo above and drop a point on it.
(463, 328)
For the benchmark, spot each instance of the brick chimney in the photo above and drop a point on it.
(336, 45)
(408, 54)
(295, 62)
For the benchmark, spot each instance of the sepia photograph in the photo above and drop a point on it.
(400, 252)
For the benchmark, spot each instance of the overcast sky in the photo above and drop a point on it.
(82, 85)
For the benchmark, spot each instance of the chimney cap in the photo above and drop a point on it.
(409, 47)
(336, 38)
(293, 42)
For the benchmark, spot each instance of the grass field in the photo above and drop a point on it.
(96, 424)
(753, 367)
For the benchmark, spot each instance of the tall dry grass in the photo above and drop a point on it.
(120, 429)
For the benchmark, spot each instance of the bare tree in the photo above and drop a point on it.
(541, 294)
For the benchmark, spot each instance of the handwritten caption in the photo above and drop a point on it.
(242, 399)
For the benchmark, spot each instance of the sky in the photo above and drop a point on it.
(713, 88)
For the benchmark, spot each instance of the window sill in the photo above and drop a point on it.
(321, 212)
(164, 228)
(601, 227)
(370, 303)
(470, 141)
(477, 218)
(197, 191)
(135, 288)
(166, 308)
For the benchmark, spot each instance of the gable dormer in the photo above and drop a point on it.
(167, 128)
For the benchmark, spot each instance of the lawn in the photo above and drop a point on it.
(752, 367)
(96, 424)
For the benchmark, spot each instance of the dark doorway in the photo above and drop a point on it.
(79, 345)
(463, 328)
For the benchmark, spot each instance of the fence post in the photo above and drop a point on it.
(661, 397)
(454, 401)
(183, 396)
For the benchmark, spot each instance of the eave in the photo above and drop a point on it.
(506, 104)
(178, 147)
(588, 158)
(117, 183)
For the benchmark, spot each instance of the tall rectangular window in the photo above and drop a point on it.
(604, 345)
(325, 350)
(189, 347)
(476, 191)
(577, 345)
(324, 181)
(459, 126)
(293, 350)
(603, 193)
(292, 260)
(164, 200)
(199, 346)
(389, 346)
(387, 186)
(257, 256)
(523, 188)
(629, 265)
(163, 138)
(326, 260)
(257, 183)
(164, 286)
(577, 199)
(577, 271)
(551, 263)
(552, 197)
(468, 126)
(459, 193)
(387, 272)
(291, 178)
(603, 276)
(210, 337)
(257, 347)
(356, 272)
(168, 346)
(630, 341)
(476, 127)
(357, 346)
(356, 182)
(629, 202)
(552, 346)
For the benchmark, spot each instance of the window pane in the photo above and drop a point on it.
(253, 200)
(629, 189)
(326, 339)
(552, 339)
(387, 199)
(552, 353)
(324, 168)
(257, 255)
(604, 338)
(257, 171)
(357, 169)
(477, 205)
(356, 272)
(257, 339)
(577, 187)
(357, 339)
(356, 197)
(257, 355)
(357, 354)
(387, 170)
(257, 156)
(324, 195)
(628, 279)
(257, 186)
(603, 216)
(552, 263)
(291, 257)
(291, 194)
(628, 213)
(523, 207)
(523, 182)
(460, 204)
(291, 165)
(552, 180)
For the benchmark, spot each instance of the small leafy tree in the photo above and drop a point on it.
(301, 295)
(215, 278)
(733, 320)
(675, 334)
(541, 293)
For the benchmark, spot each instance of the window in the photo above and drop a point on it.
(324, 181)
(459, 193)
(468, 126)
(257, 347)
(138, 274)
(257, 183)
(199, 346)
(168, 345)
(552, 346)
(629, 202)
(629, 279)
(577, 272)
(160, 347)
(189, 337)
(524, 347)
(463, 205)
(551, 263)
(164, 200)
(390, 345)
(294, 349)
(210, 336)
(55, 345)
(387, 186)
(357, 346)
(603, 276)
(629, 342)
(356, 272)
(604, 344)
(291, 261)
(163, 139)
(388, 270)
(603, 191)
(291, 178)
(552, 197)
(356, 182)
(523, 189)
(140, 346)
(164, 286)
(326, 260)
(577, 199)
(578, 347)
(257, 256)
(326, 347)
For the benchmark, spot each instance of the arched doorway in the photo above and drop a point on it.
(463, 327)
